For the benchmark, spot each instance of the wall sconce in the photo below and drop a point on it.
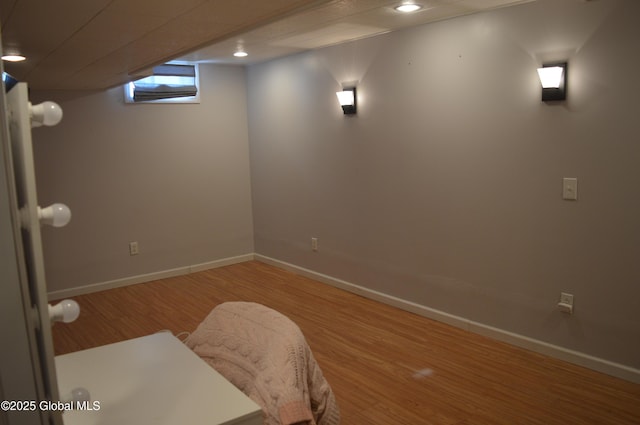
(553, 78)
(347, 99)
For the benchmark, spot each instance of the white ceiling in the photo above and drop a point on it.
(335, 22)
(97, 44)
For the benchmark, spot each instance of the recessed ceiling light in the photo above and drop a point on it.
(408, 7)
(241, 54)
(13, 58)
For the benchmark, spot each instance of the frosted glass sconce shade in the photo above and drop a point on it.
(347, 99)
(550, 77)
(553, 78)
(45, 113)
(56, 215)
(65, 311)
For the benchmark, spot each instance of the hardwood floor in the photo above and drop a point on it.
(386, 366)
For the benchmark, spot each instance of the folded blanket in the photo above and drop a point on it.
(265, 355)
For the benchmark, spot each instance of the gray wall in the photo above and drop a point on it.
(445, 189)
(175, 178)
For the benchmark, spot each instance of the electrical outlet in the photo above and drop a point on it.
(566, 303)
(133, 248)
(566, 298)
(314, 244)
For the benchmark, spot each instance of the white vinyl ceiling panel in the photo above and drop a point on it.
(97, 44)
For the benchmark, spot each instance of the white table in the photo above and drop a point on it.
(155, 379)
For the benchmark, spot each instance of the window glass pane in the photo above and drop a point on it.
(174, 83)
(156, 80)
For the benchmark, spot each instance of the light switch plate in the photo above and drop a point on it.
(570, 188)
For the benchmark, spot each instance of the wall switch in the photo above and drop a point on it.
(570, 188)
(133, 248)
(566, 303)
(314, 244)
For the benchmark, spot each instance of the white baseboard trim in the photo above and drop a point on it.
(541, 347)
(163, 274)
(221, 263)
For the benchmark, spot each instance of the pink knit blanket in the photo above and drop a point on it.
(265, 355)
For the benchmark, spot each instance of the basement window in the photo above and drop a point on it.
(170, 83)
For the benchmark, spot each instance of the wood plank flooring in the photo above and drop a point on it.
(370, 352)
